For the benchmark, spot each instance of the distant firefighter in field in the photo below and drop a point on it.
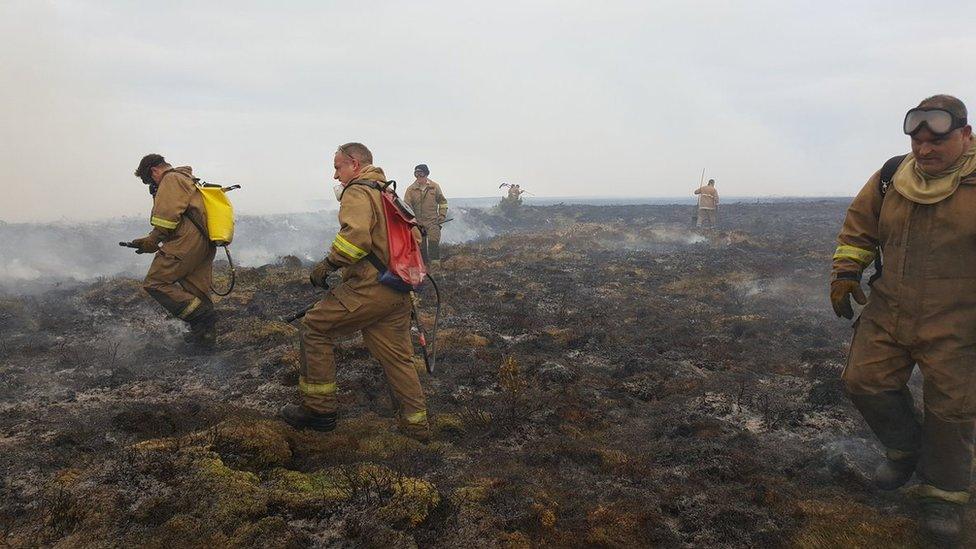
(181, 273)
(707, 204)
(429, 205)
(515, 192)
(513, 200)
(918, 213)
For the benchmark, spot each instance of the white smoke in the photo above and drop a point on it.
(463, 229)
(53, 253)
(675, 235)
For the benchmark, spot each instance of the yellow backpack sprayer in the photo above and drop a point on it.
(220, 223)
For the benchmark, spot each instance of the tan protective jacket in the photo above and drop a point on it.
(176, 200)
(929, 249)
(922, 310)
(362, 229)
(428, 202)
(708, 197)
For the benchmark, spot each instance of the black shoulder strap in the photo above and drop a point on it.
(376, 262)
(365, 183)
(884, 182)
(196, 180)
(888, 173)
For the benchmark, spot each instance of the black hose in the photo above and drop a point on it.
(233, 275)
(437, 316)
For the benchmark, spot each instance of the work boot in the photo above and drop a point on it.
(419, 432)
(202, 336)
(301, 417)
(892, 474)
(891, 416)
(944, 471)
(942, 521)
(947, 457)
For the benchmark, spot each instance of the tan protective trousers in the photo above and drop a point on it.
(383, 316)
(879, 363)
(430, 246)
(182, 284)
(706, 216)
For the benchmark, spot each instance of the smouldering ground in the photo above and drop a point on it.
(607, 377)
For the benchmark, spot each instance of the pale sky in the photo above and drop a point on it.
(567, 98)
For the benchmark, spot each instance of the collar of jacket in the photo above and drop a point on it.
(922, 188)
(370, 173)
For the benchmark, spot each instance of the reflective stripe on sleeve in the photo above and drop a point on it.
(163, 223)
(348, 249)
(860, 255)
(308, 388)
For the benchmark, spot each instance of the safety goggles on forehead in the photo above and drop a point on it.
(938, 121)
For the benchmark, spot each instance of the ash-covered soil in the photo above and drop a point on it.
(606, 377)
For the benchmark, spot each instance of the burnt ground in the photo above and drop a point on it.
(606, 377)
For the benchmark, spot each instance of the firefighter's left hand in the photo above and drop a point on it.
(146, 245)
(840, 290)
(320, 272)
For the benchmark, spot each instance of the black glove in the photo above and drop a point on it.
(320, 272)
(146, 245)
(840, 292)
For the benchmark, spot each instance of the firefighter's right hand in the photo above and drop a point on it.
(840, 292)
(145, 245)
(320, 272)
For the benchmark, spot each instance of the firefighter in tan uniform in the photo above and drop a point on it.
(359, 303)
(515, 193)
(707, 204)
(180, 275)
(922, 310)
(429, 206)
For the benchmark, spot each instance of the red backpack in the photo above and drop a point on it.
(406, 271)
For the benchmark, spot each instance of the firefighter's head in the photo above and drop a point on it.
(939, 131)
(711, 182)
(421, 172)
(350, 159)
(151, 168)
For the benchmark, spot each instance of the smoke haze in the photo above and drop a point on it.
(38, 255)
(568, 98)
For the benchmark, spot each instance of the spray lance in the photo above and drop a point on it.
(428, 350)
(288, 319)
(701, 183)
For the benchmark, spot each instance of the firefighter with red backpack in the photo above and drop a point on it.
(374, 298)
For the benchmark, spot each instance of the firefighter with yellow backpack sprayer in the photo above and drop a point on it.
(190, 219)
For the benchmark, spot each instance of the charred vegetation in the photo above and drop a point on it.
(607, 377)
